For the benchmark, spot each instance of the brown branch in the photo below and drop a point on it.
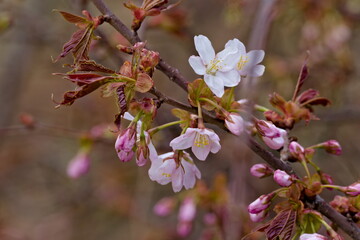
(317, 203)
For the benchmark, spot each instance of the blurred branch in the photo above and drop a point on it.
(317, 203)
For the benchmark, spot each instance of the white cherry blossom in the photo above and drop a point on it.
(201, 141)
(219, 69)
(164, 169)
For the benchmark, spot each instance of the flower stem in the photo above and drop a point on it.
(161, 127)
(211, 102)
(200, 119)
(306, 168)
(260, 108)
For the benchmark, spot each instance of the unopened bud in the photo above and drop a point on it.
(260, 204)
(332, 147)
(164, 206)
(261, 170)
(296, 150)
(282, 178)
(79, 165)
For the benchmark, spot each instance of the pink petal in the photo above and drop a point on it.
(183, 141)
(177, 179)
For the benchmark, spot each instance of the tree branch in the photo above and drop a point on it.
(174, 74)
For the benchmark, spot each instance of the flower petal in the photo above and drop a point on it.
(166, 171)
(215, 84)
(189, 176)
(183, 141)
(238, 44)
(255, 56)
(197, 64)
(204, 48)
(201, 152)
(256, 71)
(177, 179)
(230, 78)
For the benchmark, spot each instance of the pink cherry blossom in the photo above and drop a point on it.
(260, 204)
(201, 141)
(272, 136)
(164, 169)
(313, 236)
(282, 178)
(353, 189)
(164, 206)
(187, 213)
(219, 70)
(79, 165)
(261, 170)
(125, 143)
(258, 217)
(296, 150)
(235, 124)
(332, 146)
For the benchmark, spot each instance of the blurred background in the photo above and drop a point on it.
(115, 200)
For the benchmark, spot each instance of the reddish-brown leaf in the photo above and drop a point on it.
(92, 66)
(304, 72)
(143, 83)
(318, 101)
(81, 50)
(82, 78)
(72, 18)
(70, 45)
(283, 221)
(307, 95)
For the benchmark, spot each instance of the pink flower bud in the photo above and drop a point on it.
(183, 229)
(353, 189)
(142, 155)
(332, 147)
(296, 150)
(235, 124)
(261, 170)
(260, 204)
(187, 210)
(272, 136)
(258, 217)
(313, 236)
(282, 178)
(164, 206)
(125, 156)
(126, 140)
(79, 165)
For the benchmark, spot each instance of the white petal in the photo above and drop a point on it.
(166, 171)
(189, 176)
(230, 79)
(201, 152)
(215, 147)
(204, 48)
(154, 173)
(177, 179)
(229, 59)
(275, 143)
(183, 141)
(128, 116)
(238, 44)
(215, 84)
(256, 71)
(197, 64)
(255, 56)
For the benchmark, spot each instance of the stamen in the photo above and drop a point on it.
(213, 66)
(166, 174)
(242, 62)
(201, 140)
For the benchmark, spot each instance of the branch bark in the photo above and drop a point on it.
(174, 74)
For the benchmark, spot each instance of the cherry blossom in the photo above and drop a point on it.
(313, 236)
(201, 140)
(235, 124)
(282, 178)
(261, 170)
(248, 63)
(260, 204)
(219, 70)
(179, 169)
(79, 165)
(272, 136)
(258, 217)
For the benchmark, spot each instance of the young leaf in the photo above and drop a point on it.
(143, 83)
(282, 223)
(304, 72)
(92, 66)
(72, 18)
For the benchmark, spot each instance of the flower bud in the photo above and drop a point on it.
(296, 150)
(313, 236)
(125, 156)
(126, 140)
(353, 189)
(272, 136)
(332, 147)
(261, 170)
(79, 165)
(282, 178)
(260, 204)
(258, 217)
(164, 206)
(235, 124)
(187, 210)
(142, 155)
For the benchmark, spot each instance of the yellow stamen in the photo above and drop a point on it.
(201, 140)
(242, 62)
(166, 174)
(213, 66)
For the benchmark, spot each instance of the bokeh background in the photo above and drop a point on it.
(115, 200)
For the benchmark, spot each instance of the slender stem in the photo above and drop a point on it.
(161, 127)
(260, 108)
(306, 168)
(214, 104)
(200, 119)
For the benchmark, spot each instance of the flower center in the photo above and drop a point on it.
(242, 62)
(201, 140)
(166, 174)
(213, 66)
